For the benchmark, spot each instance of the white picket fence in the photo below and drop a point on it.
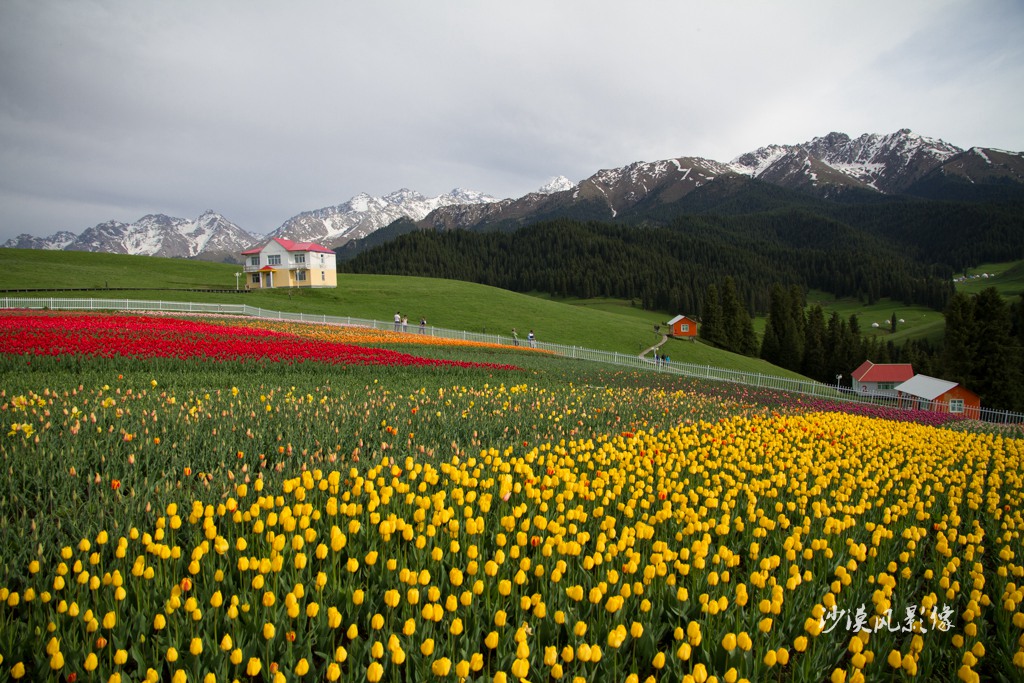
(707, 372)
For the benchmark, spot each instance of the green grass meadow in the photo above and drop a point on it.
(1007, 278)
(604, 325)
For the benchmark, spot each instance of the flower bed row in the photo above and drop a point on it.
(277, 523)
(71, 334)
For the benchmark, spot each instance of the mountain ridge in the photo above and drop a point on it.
(829, 167)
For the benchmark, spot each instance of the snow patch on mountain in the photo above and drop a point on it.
(56, 241)
(828, 165)
(333, 226)
(887, 163)
(556, 184)
(211, 236)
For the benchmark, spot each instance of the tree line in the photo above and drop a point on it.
(982, 348)
(667, 267)
(763, 256)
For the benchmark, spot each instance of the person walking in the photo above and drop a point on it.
(533, 340)
(515, 337)
(405, 323)
(398, 321)
(423, 325)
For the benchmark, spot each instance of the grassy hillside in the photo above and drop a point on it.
(36, 268)
(918, 321)
(444, 303)
(1008, 278)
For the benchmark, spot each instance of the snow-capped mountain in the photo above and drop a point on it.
(210, 237)
(603, 195)
(827, 166)
(556, 184)
(56, 241)
(886, 163)
(358, 217)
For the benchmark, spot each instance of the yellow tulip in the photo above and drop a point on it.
(253, 667)
(441, 667)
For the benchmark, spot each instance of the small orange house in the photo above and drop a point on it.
(938, 396)
(683, 326)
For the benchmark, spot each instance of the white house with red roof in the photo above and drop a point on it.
(880, 378)
(283, 263)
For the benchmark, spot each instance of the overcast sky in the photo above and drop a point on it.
(112, 109)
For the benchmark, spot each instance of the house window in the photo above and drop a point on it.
(255, 278)
(684, 328)
(300, 275)
(274, 260)
(886, 386)
(254, 260)
(300, 258)
(956, 405)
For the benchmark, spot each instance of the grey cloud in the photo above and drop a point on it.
(260, 110)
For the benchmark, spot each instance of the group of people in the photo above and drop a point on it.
(402, 323)
(531, 338)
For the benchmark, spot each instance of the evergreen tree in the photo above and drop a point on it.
(734, 317)
(836, 347)
(770, 349)
(958, 343)
(782, 344)
(813, 361)
(749, 343)
(798, 304)
(996, 367)
(712, 328)
(855, 349)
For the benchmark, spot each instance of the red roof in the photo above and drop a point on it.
(883, 372)
(290, 246)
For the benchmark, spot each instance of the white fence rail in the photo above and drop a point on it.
(708, 372)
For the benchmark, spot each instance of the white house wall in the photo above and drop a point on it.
(285, 272)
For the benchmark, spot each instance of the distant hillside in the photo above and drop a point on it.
(446, 303)
(211, 237)
(833, 167)
(665, 256)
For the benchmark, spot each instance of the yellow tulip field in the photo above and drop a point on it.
(377, 508)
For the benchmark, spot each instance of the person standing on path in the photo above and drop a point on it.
(423, 325)
(515, 337)
(398, 321)
(533, 340)
(405, 323)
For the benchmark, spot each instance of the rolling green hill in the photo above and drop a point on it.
(444, 303)
(1007, 278)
